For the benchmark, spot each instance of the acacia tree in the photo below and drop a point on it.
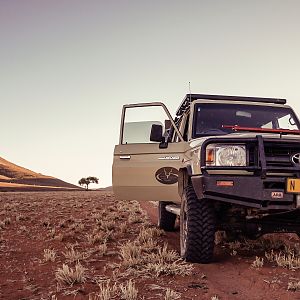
(86, 181)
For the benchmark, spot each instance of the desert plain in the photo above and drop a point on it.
(88, 245)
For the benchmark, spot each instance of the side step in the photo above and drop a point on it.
(174, 209)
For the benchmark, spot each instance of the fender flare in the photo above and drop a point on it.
(183, 179)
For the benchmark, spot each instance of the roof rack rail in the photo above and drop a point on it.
(192, 97)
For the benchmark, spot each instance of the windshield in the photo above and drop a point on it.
(209, 118)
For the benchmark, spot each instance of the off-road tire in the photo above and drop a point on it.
(166, 220)
(197, 228)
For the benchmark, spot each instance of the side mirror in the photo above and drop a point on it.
(156, 133)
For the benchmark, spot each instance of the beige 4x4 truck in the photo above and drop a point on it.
(224, 163)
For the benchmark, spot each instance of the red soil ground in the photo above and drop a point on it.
(50, 220)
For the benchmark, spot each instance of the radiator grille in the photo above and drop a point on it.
(277, 154)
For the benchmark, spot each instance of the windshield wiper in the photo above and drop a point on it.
(264, 130)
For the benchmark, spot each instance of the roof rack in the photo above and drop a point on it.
(192, 97)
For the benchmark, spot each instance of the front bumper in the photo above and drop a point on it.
(250, 191)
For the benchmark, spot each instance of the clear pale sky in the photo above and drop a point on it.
(68, 66)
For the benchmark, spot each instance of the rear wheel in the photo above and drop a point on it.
(197, 228)
(166, 220)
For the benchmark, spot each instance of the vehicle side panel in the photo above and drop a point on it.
(146, 172)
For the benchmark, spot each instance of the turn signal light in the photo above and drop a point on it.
(210, 156)
(225, 183)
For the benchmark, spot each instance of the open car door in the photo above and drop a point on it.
(145, 170)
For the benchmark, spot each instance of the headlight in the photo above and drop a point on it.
(226, 155)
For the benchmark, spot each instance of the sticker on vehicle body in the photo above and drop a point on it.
(277, 195)
(169, 158)
(167, 175)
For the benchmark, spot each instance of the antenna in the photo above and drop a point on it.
(190, 91)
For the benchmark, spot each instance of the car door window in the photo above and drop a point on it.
(138, 122)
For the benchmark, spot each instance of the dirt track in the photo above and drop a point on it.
(33, 222)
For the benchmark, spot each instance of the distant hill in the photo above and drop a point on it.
(14, 177)
(108, 189)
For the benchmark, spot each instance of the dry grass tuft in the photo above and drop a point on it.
(134, 219)
(129, 291)
(131, 254)
(233, 247)
(51, 234)
(284, 259)
(123, 227)
(49, 255)
(236, 245)
(107, 292)
(171, 295)
(257, 263)
(164, 255)
(148, 233)
(106, 225)
(102, 249)
(161, 267)
(149, 245)
(71, 276)
(77, 227)
(126, 291)
(99, 236)
(73, 255)
(294, 286)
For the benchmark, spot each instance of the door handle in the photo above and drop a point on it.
(125, 157)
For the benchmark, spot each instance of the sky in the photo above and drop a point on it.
(68, 66)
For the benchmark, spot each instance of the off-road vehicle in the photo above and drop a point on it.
(223, 163)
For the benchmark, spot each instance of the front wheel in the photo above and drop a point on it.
(197, 228)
